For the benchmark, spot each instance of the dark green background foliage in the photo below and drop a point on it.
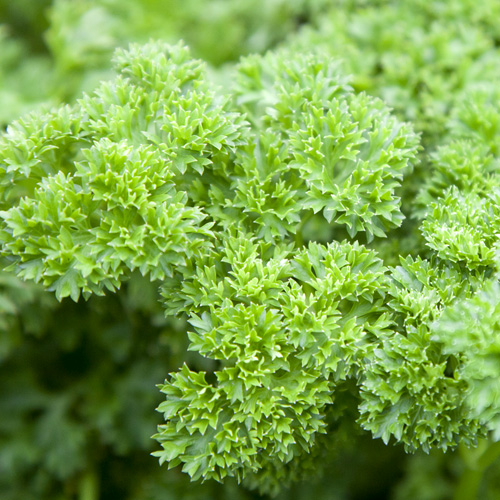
(281, 233)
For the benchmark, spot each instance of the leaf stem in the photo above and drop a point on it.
(89, 486)
(299, 240)
(476, 461)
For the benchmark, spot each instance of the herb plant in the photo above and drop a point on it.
(303, 267)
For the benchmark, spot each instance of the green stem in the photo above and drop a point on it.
(89, 487)
(468, 486)
(299, 240)
(476, 462)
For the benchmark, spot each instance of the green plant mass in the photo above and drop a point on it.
(290, 254)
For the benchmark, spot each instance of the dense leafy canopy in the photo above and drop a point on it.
(302, 265)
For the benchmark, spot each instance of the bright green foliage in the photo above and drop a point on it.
(464, 228)
(351, 153)
(99, 195)
(411, 391)
(469, 331)
(430, 53)
(258, 235)
(103, 192)
(461, 198)
(463, 167)
(271, 320)
(155, 171)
